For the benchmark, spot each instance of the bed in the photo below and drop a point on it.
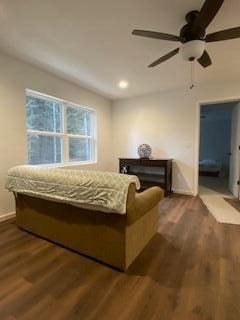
(210, 167)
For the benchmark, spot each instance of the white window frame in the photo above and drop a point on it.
(64, 135)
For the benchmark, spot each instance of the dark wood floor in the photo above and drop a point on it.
(189, 271)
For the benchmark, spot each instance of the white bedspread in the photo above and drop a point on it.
(96, 190)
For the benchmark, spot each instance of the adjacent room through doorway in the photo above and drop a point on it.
(219, 160)
(215, 147)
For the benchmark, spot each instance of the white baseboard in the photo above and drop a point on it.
(7, 216)
(187, 193)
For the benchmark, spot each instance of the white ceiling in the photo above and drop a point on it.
(89, 42)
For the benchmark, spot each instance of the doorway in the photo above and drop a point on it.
(218, 165)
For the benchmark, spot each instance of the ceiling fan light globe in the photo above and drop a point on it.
(192, 50)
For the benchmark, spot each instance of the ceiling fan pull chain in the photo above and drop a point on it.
(192, 75)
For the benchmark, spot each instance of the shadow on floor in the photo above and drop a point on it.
(159, 260)
(217, 184)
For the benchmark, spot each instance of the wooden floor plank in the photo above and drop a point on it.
(189, 270)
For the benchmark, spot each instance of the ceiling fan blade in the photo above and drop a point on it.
(207, 13)
(205, 60)
(228, 34)
(164, 58)
(155, 35)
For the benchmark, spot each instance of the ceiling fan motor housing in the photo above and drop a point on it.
(192, 50)
(186, 33)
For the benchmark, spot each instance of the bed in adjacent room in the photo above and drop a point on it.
(210, 167)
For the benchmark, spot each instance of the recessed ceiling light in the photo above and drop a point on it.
(123, 84)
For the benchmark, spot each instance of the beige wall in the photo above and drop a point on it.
(169, 122)
(15, 77)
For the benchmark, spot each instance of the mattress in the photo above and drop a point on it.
(210, 165)
(94, 190)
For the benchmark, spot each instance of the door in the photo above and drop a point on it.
(235, 149)
(239, 174)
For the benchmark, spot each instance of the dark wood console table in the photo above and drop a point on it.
(151, 172)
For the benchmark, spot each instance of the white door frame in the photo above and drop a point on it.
(197, 134)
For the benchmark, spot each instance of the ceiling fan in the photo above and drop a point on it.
(193, 35)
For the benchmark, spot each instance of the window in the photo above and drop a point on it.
(58, 132)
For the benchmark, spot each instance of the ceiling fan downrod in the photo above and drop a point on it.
(192, 75)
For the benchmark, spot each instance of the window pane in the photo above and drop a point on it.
(44, 149)
(44, 115)
(78, 121)
(79, 149)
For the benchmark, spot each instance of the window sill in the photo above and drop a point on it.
(69, 164)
